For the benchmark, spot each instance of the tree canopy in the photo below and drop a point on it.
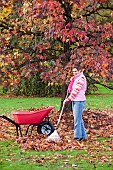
(49, 37)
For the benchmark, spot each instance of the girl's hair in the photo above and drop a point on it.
(78, 67)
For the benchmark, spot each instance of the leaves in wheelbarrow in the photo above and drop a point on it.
(98, 124)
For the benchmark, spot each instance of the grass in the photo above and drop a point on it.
(101, 99)
(13, 157)
(10, 104)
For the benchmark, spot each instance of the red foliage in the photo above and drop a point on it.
(48, 37)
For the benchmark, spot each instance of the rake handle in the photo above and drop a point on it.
(61, 113)
(60, 117)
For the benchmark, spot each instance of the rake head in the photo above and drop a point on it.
(54, 137)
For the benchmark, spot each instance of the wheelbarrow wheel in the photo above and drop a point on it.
(45, 128)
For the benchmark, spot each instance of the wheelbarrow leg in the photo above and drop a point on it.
(27, 129)
(14, 123)
(19, 129)
(33, 127)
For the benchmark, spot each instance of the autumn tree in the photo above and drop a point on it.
(46, 38)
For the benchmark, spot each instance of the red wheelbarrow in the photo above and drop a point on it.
(39, 119)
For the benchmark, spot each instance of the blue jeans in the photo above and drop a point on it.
(79, 129)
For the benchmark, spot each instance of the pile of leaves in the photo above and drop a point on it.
(98, 124)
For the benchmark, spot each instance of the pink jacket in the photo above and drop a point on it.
(77, 88)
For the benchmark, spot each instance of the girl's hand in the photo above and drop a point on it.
(65, 101)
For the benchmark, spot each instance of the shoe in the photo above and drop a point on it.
(78, 139)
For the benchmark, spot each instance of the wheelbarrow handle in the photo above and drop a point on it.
(14, 123)
(9, 120)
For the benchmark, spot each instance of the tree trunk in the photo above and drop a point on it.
(68, 106)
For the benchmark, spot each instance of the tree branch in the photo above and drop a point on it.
(97, 82)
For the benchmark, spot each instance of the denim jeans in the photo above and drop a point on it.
(79, 129)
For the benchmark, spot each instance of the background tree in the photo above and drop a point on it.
(48, 37)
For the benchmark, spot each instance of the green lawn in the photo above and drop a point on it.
(9, 104)
(102, 99)
(14, 158)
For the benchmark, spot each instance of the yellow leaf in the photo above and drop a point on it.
(44, 21)
(77, 43)
(5, 13)
(74, 7)
(25, 7)
(10, 76)
(90, 74)
(108, 47)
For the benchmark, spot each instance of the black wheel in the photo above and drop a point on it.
(45, 128)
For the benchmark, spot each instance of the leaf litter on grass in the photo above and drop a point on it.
(98, 125)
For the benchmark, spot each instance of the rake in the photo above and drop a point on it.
(55, 136)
